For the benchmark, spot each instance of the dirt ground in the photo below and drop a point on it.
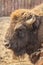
(6, 55)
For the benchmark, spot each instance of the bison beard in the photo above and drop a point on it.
(22, 35)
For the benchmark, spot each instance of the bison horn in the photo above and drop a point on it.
(31, 21)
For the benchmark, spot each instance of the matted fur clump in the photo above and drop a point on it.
(22, 34)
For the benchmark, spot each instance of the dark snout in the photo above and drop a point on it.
(6, 44)
(9, 44)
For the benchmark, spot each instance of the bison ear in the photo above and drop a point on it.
(37, 23)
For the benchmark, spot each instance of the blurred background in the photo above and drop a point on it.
(7, 6)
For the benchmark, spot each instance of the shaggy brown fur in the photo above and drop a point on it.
(21, 37)
(38, 10)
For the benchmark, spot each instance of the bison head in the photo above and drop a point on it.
(24, 33)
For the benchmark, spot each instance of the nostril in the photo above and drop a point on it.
(6, 44)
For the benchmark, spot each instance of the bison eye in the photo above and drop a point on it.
(20, 33)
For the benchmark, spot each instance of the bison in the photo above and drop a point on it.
(22, 34)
